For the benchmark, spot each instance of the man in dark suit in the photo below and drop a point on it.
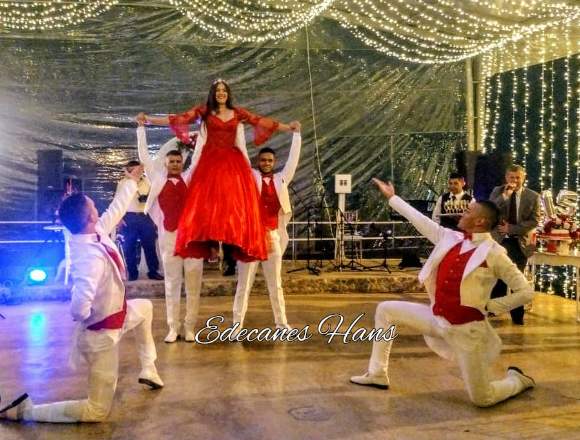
(520, 208)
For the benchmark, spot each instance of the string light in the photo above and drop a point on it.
(486, 66)
(567, 106)
(526, 104)
(250, 21)
(498, 92)
(421, 31)
(542, 148)
(552, 126)
(410, 38)
(513, 146)
(51, 14)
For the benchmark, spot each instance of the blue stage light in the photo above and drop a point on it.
(37, 275)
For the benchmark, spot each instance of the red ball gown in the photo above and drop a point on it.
(222, 202)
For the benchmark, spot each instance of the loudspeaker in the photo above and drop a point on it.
(483, 171)
(410, 259)
(50, 169)
(47, 205)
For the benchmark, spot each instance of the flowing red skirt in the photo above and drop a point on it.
(222, 205)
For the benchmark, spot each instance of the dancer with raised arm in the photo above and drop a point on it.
(276, 213)
(222, 198)
(101, 310)
(165, 206)
(459, 276)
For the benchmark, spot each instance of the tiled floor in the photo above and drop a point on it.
(299, 390)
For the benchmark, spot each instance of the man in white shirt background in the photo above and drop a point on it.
(450, 202)
(139, 231)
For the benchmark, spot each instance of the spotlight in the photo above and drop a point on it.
(37, 275)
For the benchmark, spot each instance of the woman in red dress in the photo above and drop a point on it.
(222, 201)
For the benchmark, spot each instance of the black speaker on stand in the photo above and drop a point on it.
(50, 187)
(483, 171)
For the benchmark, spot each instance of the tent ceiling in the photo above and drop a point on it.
(423, 31)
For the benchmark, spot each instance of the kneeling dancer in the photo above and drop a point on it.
(459, 276)
(102, 313)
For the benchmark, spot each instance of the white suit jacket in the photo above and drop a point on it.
(281, 181)
(478, 280)
(488, 262)
(98, 290)
(157, 172)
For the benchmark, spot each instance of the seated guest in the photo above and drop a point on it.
(451, 202)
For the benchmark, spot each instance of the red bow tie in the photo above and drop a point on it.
(467, 236)
(269, 175)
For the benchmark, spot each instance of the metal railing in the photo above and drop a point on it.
(48, 226)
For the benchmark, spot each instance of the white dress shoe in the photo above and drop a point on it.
(150, 377)
(171, 336)
(189, 336)
(366, 379)
(15, 411)
(526, 381)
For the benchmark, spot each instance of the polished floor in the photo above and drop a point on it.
(298, 390)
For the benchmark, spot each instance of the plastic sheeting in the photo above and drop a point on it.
(78, 91)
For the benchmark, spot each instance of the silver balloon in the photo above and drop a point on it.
(548, 203)
(567, 201)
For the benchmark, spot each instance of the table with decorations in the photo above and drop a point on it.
(558, 236)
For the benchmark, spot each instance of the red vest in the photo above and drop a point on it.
(171, 200)
(447, 296)
(270, 205)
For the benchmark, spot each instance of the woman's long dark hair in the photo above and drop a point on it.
(212, 104)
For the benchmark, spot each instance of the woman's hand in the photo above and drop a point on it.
(141, 118)
(292, 126)
(295, 126)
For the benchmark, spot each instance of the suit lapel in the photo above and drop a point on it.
(478, 257)
(433, 261)
(109, 258)
(277, 183)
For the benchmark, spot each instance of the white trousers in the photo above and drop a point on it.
(472, 360)
(272, 269)
(103, 373)
(174, 268)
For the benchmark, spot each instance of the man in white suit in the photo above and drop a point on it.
(276, 213)
(458, 276)
(164, 205)
(102, 313)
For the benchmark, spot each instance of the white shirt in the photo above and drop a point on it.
(143, 188)
(518, 199)
(477, 238)
(437, 210)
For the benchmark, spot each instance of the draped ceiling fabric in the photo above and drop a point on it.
(77, 90)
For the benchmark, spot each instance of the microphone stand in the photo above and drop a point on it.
(352, 264)
(311, 269)
(385, 235)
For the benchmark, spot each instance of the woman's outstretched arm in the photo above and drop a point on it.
(155, 120)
